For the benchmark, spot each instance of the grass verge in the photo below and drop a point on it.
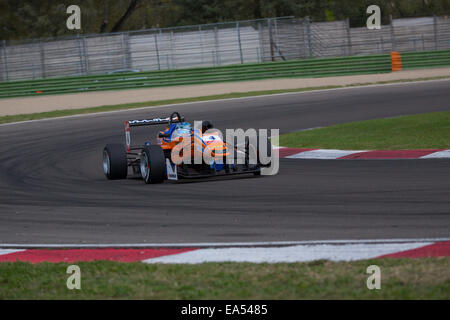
(400, 279)
(421, 131)
(70, 112)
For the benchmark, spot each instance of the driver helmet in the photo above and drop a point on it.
(206, 125)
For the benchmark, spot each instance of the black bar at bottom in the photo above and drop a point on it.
(232, 309)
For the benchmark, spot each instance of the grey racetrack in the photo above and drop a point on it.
(52, 187)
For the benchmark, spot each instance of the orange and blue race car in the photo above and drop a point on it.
(155, 162)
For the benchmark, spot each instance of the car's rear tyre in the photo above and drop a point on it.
(152, 164)
(268, 152)
(115, 161)
(253, 151)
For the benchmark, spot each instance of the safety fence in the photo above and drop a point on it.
(215, 45)
(320, 67)
(417, 60)
(317, 67)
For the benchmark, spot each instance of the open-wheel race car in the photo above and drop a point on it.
(155, 162)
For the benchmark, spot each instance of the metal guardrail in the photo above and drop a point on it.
(319, 67)
(316, 67)
(214, 45)
(417, 60)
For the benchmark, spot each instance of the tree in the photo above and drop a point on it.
(131, 8)
(105, 17)
(46, 18)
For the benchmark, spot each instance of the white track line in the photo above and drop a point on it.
(333, 154)
(324, 154)
(438, 154)
(8, 251)
(299, 253)
(220, 244)
(221, 100)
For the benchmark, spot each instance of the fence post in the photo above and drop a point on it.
(393, 44)
(128, 51)
(276, 43)
(201, 43)
(239, 42)
(261, 46)
(42, 54)
(5, 59)
(269, 22)
(86, 58)
(435, 32)
(304, 41)
(308, 33)
(122, 44)
(80, 69)
(172, 58)
(216, 44)
(349, 37)
(157, 52)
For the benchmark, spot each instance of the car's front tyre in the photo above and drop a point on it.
(152, 164)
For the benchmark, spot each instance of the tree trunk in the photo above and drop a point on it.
(126, 15)
(105, 17)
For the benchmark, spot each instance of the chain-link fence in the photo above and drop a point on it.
(273, 39)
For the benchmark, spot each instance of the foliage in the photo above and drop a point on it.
(46, 18)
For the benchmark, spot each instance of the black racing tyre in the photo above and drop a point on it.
(254, 151)
(115, 161)
(251, 152)
(152, 164)
(268, 151)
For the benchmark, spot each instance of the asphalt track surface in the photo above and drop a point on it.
(52, 187)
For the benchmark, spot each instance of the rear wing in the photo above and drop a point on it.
(148, 122)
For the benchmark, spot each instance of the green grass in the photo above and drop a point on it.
(400, 279)
(71, 112)
(421, 131)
